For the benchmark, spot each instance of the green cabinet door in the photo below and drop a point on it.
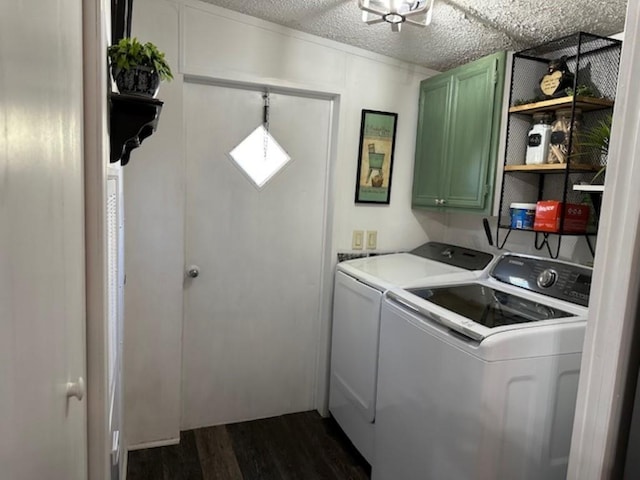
(431, 145)
(458, 131)
(471, 159)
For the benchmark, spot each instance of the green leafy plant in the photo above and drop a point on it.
(598, 137)
(582, 90)
(526, 101)
(129, 53)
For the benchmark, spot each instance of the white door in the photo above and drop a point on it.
(251, 321)
(42, 431)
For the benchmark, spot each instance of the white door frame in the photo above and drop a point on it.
(96, 33)
(616, 283)
(323, 330)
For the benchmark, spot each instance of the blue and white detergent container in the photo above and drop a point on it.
(522, 215)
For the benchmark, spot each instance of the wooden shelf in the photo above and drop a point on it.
(583, 103)
(551, 168)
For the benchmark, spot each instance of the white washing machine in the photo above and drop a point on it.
(359, 287)
(478, 380)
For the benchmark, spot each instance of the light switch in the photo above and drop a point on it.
(372, 239)
(357, 242)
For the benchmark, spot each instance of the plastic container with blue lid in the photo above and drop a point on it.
(522, 215)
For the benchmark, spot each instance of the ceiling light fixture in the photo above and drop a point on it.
(396, 12)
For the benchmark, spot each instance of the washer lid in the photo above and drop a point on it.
(487, 306)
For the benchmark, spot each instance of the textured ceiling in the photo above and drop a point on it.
(461, 30)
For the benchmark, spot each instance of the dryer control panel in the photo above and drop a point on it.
(561, 280)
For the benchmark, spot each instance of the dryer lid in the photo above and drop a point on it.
(454, 255)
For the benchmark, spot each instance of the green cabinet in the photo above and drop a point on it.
(457, 140)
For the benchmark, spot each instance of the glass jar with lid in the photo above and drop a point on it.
(538, 139)
(561, 131)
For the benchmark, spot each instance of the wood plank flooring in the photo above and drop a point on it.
(301, 446)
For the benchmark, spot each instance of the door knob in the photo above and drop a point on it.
(443, 201)
(76, 389)
(193, 271)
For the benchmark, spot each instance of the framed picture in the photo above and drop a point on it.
(375, 159)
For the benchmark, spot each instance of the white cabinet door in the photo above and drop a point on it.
(354, 360)
(251, 325)
(354, 343)
(42, 301)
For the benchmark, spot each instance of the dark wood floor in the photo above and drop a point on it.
(299, 446)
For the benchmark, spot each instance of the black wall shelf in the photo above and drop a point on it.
(594, 61)
(132, 119)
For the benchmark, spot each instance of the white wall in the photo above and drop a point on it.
(154, 206)
(211, 42)
(467, 230)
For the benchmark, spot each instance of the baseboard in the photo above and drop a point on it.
(159, 443)
(125, 464)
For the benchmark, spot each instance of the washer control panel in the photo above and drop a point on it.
(547, 278)
(562, 280)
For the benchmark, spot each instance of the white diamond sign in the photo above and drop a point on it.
(260, 156)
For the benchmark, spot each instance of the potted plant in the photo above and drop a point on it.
(138, 68)
(598, 138)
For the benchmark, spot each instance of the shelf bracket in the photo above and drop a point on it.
(591, 247)
(545, 243)
(504, 241)
(132, 119)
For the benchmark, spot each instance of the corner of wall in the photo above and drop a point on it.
(154, 250)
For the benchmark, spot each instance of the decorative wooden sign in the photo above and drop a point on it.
(557, 79)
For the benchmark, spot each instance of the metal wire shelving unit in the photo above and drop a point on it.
(594, 60)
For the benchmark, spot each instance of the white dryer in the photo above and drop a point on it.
(359, 287)
(478, 380)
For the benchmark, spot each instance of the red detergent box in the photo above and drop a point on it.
(547, 219)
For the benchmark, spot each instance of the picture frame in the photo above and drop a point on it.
(375, 156)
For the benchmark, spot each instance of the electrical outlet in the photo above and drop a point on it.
(372, 239)
(357, 241)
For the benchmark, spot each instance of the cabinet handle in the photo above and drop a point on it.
(443, 201)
